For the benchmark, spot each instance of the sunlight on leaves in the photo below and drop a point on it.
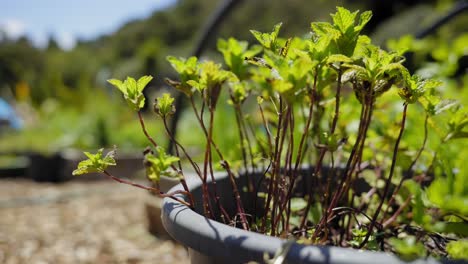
(95, 162)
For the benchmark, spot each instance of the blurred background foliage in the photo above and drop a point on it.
(65, 102)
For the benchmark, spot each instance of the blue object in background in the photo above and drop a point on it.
(8, 116)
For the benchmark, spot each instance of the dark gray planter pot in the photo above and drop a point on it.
(210, 241)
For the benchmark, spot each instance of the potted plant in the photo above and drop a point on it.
(334, 153)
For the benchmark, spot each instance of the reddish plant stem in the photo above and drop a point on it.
(397, 189)
(239, 205)
(151, 189)
(177, 144)
(372, 191)
(202, 124)
(277, 168)
(205, 191)
(275, 164)
(357, 158)
(215, 193)
(142, 123)
(316, 173)
(300, 152)
(242, 139)
(282, 195)
(356, 152)
(249, 148)
(365, 117)
(337, 103)
(265, 124)
(389, 179)
(397, 212)
(184, 184)
(423, 144)
(224, 215)
(318, 165)
(207, 161)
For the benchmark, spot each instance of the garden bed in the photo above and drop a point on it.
(78, 222)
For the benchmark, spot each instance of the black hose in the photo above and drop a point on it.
(210, 28)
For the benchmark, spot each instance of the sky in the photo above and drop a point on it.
(69, 20)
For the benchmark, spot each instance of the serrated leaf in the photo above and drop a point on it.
(268, 40)
(158, 165)
(118, 84)
(95, 162)
(458, 249)
(143, 81)
(343, 19)
(131, 87)
(281, 86)
(164, 105)
(186, 68)
(132, 90)
(364, 18)
(195, 85)
(338, 58)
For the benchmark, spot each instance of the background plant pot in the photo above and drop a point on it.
(13, 165)
(46, 168)
(210, 241)
(153, 207)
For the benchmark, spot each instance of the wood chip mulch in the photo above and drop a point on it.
(78, 222)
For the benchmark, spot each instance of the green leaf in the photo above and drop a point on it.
(408, 248)
(359, 236)
(143, 81)
(268, 40)
(401, 45)
(185, 67)
(211, 77)
(239, 92)
(419, 215)
(281, 86)
(131, 86)
(338, 58)
(364, 18)
(158, 165)
(415, 87)
(234, 53)
(441, 193)
(95, 162)
(133, 90)
(260, 100)
(343, 19)
(118, 84)
(187, 70)
(298, 204)
(195, 85)
(458, 249)
(164, 105)
(457, 228)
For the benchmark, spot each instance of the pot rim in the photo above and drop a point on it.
(213, 238)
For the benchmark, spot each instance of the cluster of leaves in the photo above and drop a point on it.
(133, 90)
(317, 102)
(95, 162)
